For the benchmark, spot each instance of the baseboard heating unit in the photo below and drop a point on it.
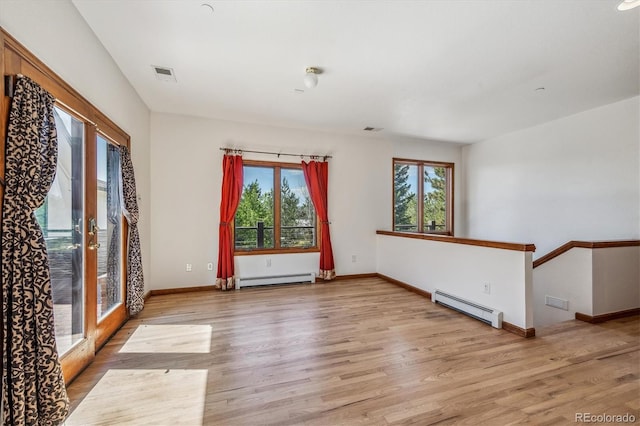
(305, 277)
(479, 312)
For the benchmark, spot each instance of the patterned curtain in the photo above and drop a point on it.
(316, 174)
(114, 212)
(33, 389)
(231, 193)
(135, 280)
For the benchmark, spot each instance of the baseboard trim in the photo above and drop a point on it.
(606, 317)
(406, 286)
(178, 290)
(354, 276)
(529, 332)
(519, 331)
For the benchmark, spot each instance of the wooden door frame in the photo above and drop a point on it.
(16, 59)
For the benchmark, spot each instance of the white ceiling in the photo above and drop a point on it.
(451, 70)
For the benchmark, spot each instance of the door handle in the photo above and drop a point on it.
(93, 230)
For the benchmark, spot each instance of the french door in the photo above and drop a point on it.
(85, 233)
(81, 218)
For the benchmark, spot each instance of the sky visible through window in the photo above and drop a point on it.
(102, 159)
(413, 180)
(264, 176)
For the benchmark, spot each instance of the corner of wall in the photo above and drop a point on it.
(528, 288)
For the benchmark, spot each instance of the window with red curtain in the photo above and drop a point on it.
(276, 214)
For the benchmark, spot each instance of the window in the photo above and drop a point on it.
(422, 196)
(109, 221)
(275, 211)
(60, 218)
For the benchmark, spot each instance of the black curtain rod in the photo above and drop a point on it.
(9, 85)
(240, 151)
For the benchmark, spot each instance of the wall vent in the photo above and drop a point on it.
(164, 73)
(556, 302)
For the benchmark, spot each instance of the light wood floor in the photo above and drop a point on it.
(353, 352)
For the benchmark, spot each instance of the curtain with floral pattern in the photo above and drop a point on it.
(33, 388)
(135, 278)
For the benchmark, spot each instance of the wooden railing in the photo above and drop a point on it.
(456, 240)
(583, 244)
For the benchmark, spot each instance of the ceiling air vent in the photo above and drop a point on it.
(372, 129)
(164, 73)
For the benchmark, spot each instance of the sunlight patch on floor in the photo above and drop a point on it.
(169, 339)
(144, 397)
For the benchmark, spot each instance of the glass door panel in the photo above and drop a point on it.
(61, 220)
(109, 227)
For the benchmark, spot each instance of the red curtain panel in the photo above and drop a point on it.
(231, 193)
(316, 174)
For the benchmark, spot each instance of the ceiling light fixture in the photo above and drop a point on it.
(311, 77)
(628, 4)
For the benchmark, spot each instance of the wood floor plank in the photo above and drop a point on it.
(353, 352)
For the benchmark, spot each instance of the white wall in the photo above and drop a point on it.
(593, 281)
(616, 279)
(55, 32)
(576, 178)
(569, 277)
(186, 174)
(462, 270)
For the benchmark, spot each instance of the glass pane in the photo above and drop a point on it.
(61, 220)
(109, 221)
(254, 218)
(435, 202)
(297, 215)
(405, 197)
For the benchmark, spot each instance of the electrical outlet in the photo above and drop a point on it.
(487, 288)
(354, 258)
(268, 262)
(209, 266)
(189, 266)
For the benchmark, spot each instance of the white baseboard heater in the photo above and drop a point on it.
(304, 277)
(479, 312)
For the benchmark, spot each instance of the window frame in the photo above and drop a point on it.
(276, 166)
(449, 194)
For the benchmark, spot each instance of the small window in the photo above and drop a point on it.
(275, 211)
(422, 196)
